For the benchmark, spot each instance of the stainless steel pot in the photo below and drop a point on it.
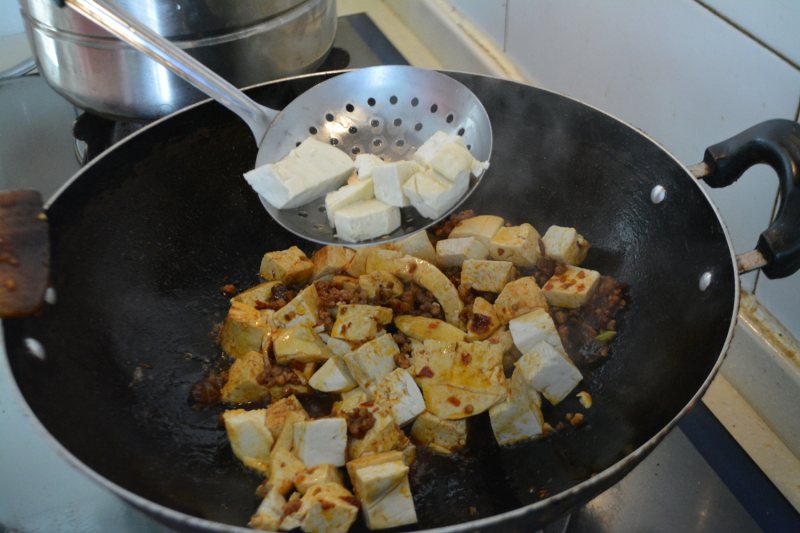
(245, 41)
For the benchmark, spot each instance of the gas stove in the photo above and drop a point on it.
(699, 478)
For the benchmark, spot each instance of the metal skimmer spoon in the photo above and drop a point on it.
(388, 111)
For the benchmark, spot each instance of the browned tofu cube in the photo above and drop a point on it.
(519, 297)
(330, 260)
(277, 414)
(518, 244)
(483, 322)
(243, 330)
(572, 288)
(358, 322)
(486, 275)
(256, 296)
(380, 284)
(290, 266)
(242, 385)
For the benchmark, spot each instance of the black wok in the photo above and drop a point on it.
(144, 237)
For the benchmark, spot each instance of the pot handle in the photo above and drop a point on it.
(776, 143)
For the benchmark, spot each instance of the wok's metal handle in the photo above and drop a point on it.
(776, 143)
(139, 36)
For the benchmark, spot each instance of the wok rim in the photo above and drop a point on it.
(590, 486)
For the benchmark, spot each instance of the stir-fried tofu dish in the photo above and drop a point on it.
(409, 343)
(363, 197)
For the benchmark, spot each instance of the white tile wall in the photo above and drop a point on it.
(677, 71)
(489, 15)
(774, 22)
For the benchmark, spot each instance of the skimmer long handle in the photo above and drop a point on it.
(142, 38)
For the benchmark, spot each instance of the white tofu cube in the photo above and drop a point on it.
(327, 508)
(269, 514)
(333, 376)
(419, 245)
(518, 297)
(549, 371)
(336, 346)
(432, 195)
(299, 344)
(306, 173)
(389, 179)
(302, 310)
(565, 244)
(372, 360)
(315, 475)
(518, 417)
(321, 441)
(398, 392)
(439, 435)
(385, 494)
(359, 322)
(453, 252)
(249, 436)
(347, 195)
(453, 162)
(482, 227)
(435, 151)
(487, 275)
(518, 244)
(572, 288)
(530, 329)
(366, 220)
(365, 164)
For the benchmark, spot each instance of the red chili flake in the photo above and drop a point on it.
(346, 326)
(453, 400)
(548, 286)
(291, 507)
(325, 504)
(465, 358)
(500, 251)
(494, 340)
(568, 284)
(469, 409)
(543, 493)
(425, 372)
(581, 274)
(581, 287)
(229, 288)
(412, 268)
(260, 305)
(433, 325)
(352, 500)
(368, 403)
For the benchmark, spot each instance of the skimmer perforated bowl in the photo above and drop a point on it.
(388, 111)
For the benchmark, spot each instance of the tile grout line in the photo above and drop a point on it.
(749, 34)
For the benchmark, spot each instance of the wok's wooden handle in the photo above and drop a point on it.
(24, 253)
